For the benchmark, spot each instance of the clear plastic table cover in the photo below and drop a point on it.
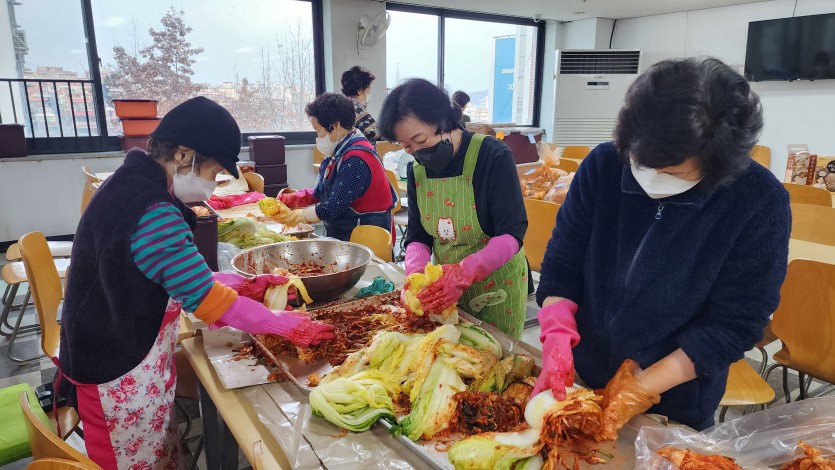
(762, 440)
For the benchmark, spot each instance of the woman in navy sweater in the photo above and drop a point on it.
(669, 251)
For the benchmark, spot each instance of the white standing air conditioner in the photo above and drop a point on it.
(591, 85)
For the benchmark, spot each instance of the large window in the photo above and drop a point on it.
(494, 63)
(256, 58)
(411, 47)
(495, 60)
(50, 54)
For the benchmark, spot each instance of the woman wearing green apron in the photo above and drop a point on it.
(465, 208)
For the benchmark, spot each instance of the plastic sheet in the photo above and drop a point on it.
(313, 443)
(757, 441)
(225, 253)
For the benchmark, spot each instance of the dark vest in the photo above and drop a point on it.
(112, 312)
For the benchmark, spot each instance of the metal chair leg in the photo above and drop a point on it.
(196, 454)
(802, 382)
(722, 414)
(786, 385)
(764, 363)
(15, 331)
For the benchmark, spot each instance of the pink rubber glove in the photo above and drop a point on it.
(458, 277)
(417, 255)
(248, 315)
(559, 334)
(254, 288)
(301, 198)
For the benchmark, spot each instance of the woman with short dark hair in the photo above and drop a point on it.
(352, 187)
(465, 207)
(461, 99)
(356, 84)
(669, 251)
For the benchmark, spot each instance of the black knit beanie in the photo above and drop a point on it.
(206, 127)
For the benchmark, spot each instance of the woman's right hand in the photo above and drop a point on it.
(248, 315)
(559, 334)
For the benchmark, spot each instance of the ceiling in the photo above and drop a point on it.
(570, 10)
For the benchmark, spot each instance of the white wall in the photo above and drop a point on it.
(341, 20)
(553, 41)
(794, 112)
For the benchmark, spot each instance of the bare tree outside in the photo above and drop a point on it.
(163, 70)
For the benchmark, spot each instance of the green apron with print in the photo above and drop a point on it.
(448, 213)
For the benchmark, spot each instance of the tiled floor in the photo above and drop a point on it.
(42, 371)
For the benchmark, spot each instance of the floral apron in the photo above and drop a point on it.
(448, 210)
(129, 422)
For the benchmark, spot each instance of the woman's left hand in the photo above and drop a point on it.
(625, 396)
(447, 289)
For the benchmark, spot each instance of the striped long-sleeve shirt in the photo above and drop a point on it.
(163, 249)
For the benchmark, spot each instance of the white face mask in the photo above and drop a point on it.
(192, 188)
(659, 185)
(326, 145)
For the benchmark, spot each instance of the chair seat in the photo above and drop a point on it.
(745, 386)
(59, 249)
(15, 273)
(768, 337)
(14, 444)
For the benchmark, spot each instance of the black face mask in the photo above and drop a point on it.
(436, 157)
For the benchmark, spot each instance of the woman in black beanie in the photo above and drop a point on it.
(135, 266)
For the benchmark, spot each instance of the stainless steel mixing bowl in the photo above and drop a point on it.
(344, 264)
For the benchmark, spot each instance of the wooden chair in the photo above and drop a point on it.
(576, 151)
(745, 387)
(813, 223)
(569, 166)
(14, 274)
(59, 464)
(254, 181)
(47, 293)
(762, 155)
(89, 175)
(805, 323)
(44, 443)
(258, 456)
(376, 238)
(318, 157)
(384, 147)
(394, 180)
(542, 218)
(803, 194)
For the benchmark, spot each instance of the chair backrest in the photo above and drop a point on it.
(576, 151)
(254, 181)
(318, 157)
(568, 165)
(813, 223)
(91, 177)
(376, 238)
(803, 194)
(394, 180)
(805, 318)
(762, 155)
(59, 464)
(45, 286)
(542, 218)
(44, 442)
(384, 147)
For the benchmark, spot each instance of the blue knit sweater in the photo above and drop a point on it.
(698, 271)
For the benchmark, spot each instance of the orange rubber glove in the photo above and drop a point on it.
(623, 398)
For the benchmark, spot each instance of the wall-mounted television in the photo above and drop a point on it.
(799, 48)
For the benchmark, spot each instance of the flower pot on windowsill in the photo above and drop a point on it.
(12, 141)
(140, 126)
(135, 108)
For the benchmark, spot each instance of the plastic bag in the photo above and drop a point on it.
(757, 441)
(559, 190)
(537, 182)
(225, 253)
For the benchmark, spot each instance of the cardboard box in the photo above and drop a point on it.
(800, 165)
(267, 149)
(825, 173)
(205, 235)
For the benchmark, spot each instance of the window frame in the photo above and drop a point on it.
(108, 143)
(444, 13)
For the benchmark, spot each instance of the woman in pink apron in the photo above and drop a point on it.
(135, 266)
